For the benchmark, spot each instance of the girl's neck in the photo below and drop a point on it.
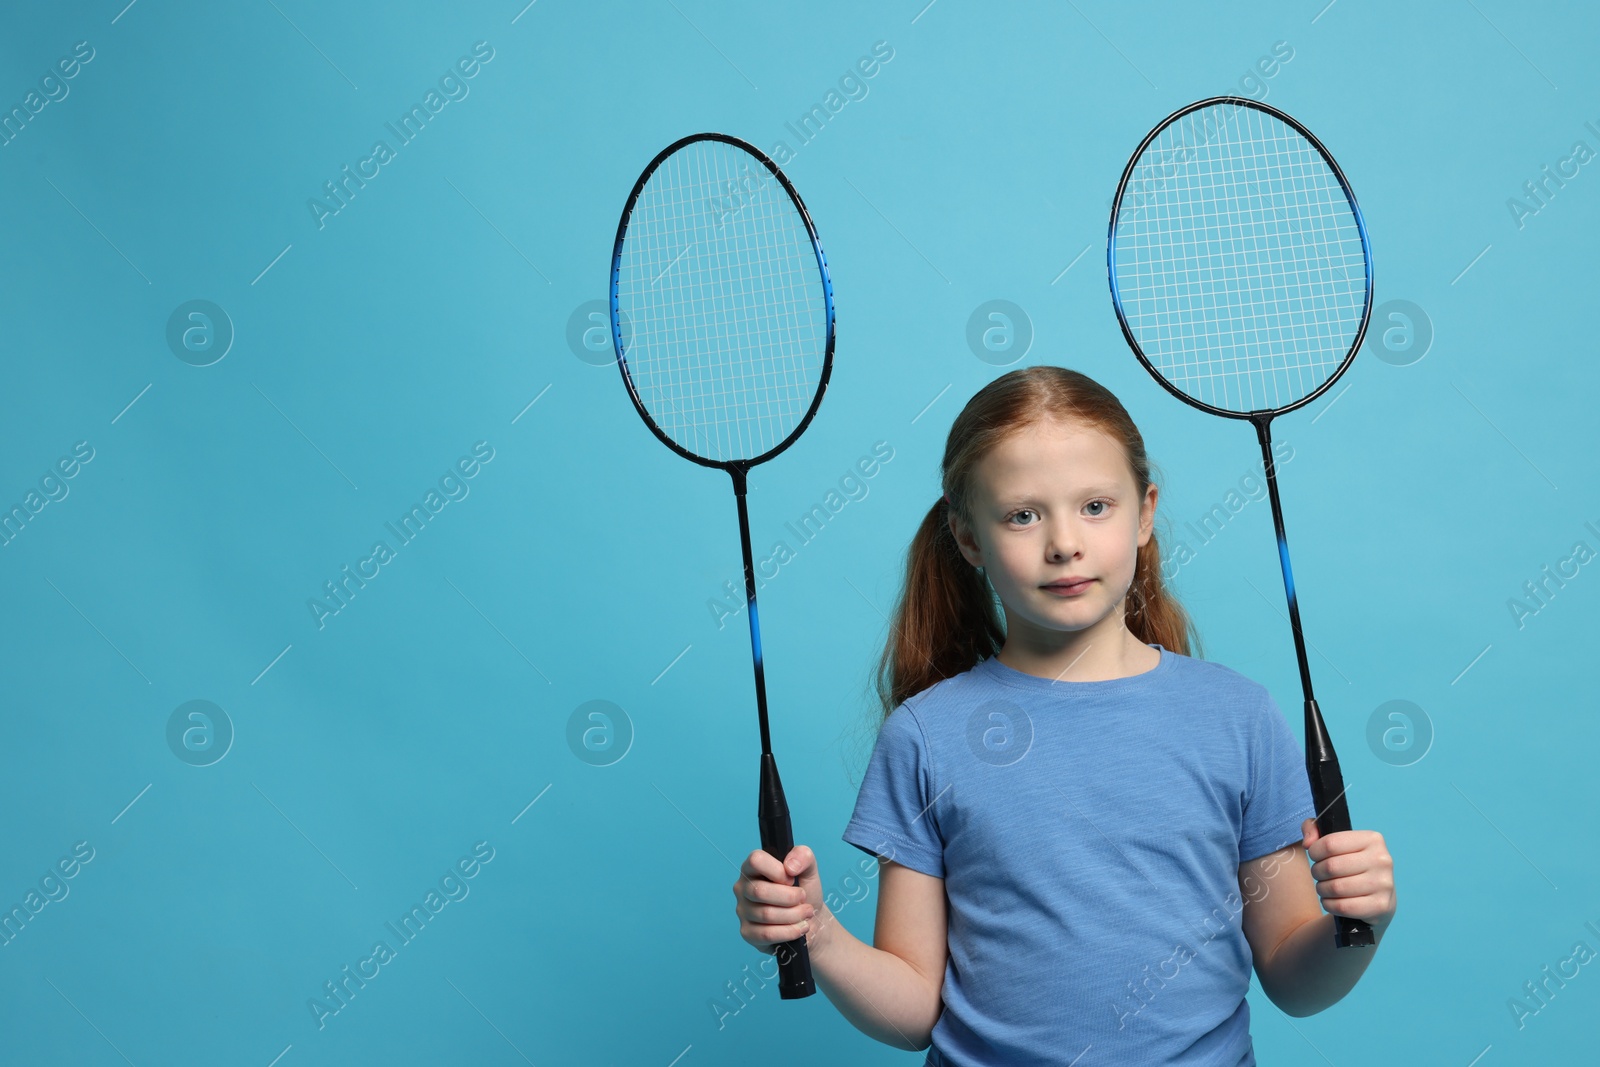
(1086, 656)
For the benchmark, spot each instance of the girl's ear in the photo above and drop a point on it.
(964, 540)
(1147, 515)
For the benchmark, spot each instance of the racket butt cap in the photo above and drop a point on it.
(794, 971)
(1352, 933)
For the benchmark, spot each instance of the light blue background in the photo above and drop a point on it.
(426, 316)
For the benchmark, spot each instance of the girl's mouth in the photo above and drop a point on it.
(1070, 587)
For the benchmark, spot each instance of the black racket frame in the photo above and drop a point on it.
(1322, 762)
(772, 809)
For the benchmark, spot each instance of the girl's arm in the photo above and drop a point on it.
(891, 991)
(1290, 934)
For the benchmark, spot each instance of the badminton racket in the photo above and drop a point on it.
(1242, 277)
(724, 289)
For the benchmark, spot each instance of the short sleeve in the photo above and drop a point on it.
(1280, 794)
(893, 816)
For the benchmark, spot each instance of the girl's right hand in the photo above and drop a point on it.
(771, 911)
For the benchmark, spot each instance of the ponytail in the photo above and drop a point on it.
(947, 618)
(1153, 614)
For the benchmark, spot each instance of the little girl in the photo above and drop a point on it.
(1087, 837)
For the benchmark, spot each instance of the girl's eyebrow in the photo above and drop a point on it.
(1031, 498)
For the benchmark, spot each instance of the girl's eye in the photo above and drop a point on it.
(1012, 518)
(1098, 503)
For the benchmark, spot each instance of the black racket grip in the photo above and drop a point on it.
(1327, 793)
(777, 838)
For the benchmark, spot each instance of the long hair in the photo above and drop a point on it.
(947, 618)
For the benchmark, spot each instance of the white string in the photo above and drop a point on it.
(725, 303)
(1240, 268)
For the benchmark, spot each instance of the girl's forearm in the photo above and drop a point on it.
(877, 991)
(1308, 972)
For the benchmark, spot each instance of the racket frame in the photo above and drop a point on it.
(737, 467)
(772, 809)
(1322, 762)
(1111, 257)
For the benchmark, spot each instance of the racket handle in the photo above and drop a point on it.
(1327, 793)
(777, 838)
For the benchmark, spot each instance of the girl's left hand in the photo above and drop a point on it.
(1354, 873)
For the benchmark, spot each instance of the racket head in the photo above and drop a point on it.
(724, 288)
(1238, 258)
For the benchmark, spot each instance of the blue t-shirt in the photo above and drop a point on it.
(1089, 835)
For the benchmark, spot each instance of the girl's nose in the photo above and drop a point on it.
(1063, 544)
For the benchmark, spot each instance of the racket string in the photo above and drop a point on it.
(720, 281)
(1240, 267)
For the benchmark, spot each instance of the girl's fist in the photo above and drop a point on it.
(770, 909)
(1353, 871)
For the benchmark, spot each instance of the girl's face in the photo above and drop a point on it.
(1053, 503)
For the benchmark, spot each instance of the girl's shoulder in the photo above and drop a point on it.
(1217, 682)
(1213, 673)
(952, 690)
